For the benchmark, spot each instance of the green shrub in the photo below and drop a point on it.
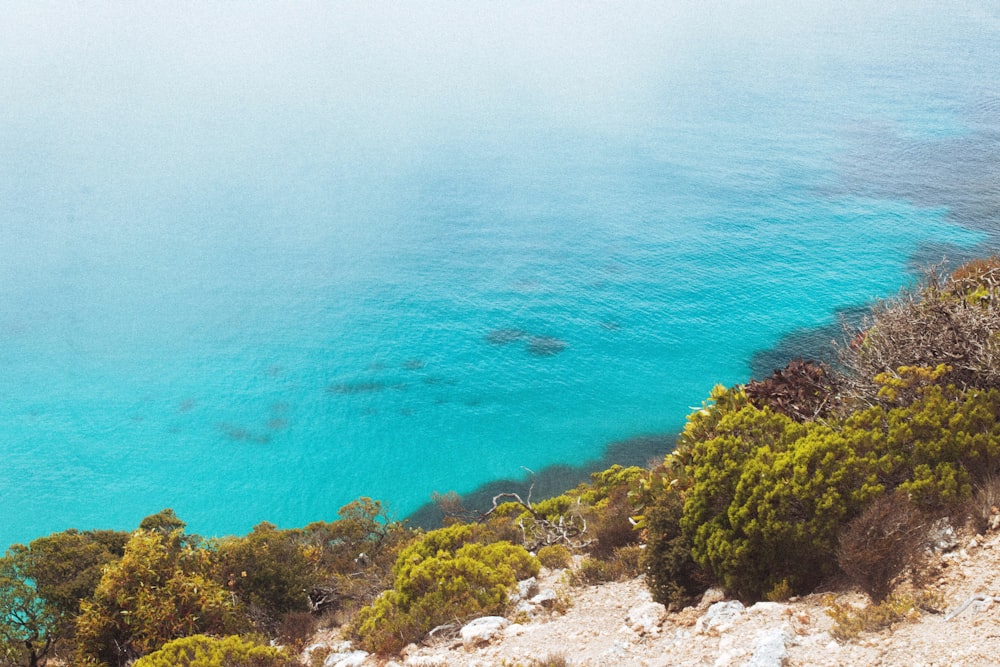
(672, 576)
(161, 589)
(269, 572)
(555, 556)
(442, 578)
(850, 621)
(204, 651)
(935, 447)
(765, 497)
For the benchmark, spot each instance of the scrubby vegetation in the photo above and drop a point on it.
(445, 576)
(815, 474)
(205, 651)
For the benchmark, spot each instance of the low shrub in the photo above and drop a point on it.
(555, 557)
(882, 544)
(442, 578)
(204, 651)
(850, 621)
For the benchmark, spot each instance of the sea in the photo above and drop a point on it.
(260, 259)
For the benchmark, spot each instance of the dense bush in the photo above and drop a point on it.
(948, 320)
(767, 498)
(882, 544)
(672, 576)
(595, 516)
(204, 651)
(41, 586)
(934, 448)
(555, 557)
(802, 390)
(441, 578)
(269, 572)
(161, 589)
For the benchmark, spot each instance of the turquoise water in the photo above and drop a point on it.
(258, 260)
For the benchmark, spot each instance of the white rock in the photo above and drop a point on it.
(942, 536)
(352, 659)
(765, 607)
(545, 598)
(711, 596)
(646, 617)
(719, 617)
(526, 607)
(528, 588)
(482, 630)
(513, 630)
(769, 648)
(426, 661)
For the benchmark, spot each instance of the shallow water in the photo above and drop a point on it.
(255, 266)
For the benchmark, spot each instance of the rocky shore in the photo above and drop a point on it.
(617, 624)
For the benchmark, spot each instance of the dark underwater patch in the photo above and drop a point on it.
(545, 346)
(505, 336)
(363, 387)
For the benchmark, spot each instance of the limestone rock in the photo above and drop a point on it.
(482, 630)
(528, 588)
(545, 598)
(348, 659)
(942, 536)
(711, 596)
(645, 618)
(719, 618)
(770, 648)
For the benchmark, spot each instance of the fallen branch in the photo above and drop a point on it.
(965, 605)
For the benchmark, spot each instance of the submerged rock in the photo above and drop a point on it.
(545, 346)
(505, 336)
(356, 387)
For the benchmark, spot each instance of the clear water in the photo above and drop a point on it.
(258, 261)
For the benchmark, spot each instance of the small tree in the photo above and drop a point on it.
(28, 626)
(160, 590)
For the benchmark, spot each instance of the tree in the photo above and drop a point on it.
(28, 626)
(269, 571)
(41, 587)
(161, 589)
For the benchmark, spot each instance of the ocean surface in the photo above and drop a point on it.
(259, 259)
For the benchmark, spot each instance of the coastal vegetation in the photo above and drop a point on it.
(816, 476)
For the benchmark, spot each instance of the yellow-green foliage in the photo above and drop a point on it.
(161, 589)
(595, 515)
(441, 578)
(592, 496)
(850, 621)
(555, 556)
(204, 651)
(765, 496)
(934, 448)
